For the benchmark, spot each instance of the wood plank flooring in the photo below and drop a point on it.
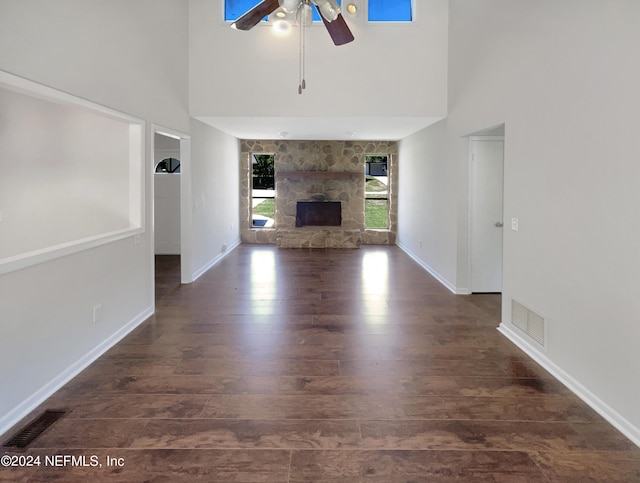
(322, 366)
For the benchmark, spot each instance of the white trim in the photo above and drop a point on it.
(164, 132)
(24, 260)
(440, 278)
(485, 138)
(14, 416)
(469, 210)
(41, 91)
(185, 197)
(198, 273)
(186, 212)
(613, 417)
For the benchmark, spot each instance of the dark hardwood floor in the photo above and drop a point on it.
(322, 366)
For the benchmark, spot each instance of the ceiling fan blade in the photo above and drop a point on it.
(338, 29)
(257, 13)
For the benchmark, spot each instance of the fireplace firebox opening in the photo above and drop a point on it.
(318, 213)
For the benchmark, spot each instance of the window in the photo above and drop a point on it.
(234, 9)
(376, 203)
(168, 165)
(390, 11)
(263, 192)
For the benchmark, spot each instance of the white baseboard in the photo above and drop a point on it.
(433, 272)
(14, 416)
(618, 421)
(198, 273)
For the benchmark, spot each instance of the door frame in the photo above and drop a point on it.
(186, 272)
(472, 139)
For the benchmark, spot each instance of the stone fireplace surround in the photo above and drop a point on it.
(331, 170)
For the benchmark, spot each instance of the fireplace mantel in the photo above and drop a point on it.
(281, 175)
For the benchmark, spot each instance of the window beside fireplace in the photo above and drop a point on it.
(263, 192)
(376, 203)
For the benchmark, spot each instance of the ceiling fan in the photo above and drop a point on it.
(329, 11)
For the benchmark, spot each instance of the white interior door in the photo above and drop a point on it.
(487, 173)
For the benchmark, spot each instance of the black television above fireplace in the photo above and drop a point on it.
(318, 213)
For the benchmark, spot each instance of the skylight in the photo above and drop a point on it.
(390, 11)
(234, 9)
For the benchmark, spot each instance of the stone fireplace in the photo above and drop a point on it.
(322, 172)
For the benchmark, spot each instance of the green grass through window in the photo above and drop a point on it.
(375, 213)
(266, 208)
(376, 210)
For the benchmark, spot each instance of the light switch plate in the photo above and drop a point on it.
(97, 313)
(514, 224)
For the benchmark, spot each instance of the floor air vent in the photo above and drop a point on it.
(35, 428)
(528, 322)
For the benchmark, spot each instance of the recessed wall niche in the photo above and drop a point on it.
(71, 173)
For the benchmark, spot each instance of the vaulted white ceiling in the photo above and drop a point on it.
(387, 84)
(326, 128)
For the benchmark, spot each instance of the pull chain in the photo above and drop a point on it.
(303, 29)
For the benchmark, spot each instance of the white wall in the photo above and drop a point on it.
(122, 54)
(215, 195)
(255, 73)
(563, 76)
(427, 214)
(130, 56)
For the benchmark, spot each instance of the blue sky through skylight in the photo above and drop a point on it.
(390, 11)
(233, 9)
(379, 10)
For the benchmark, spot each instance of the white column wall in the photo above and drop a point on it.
(427, 218)
(129, 56)
(215, 195)
(563, 76)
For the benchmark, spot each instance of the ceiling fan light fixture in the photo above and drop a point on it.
(305, 15)
(278, 12)
(329, 9)
(281, 27)
(289, 6)
(352, 7)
